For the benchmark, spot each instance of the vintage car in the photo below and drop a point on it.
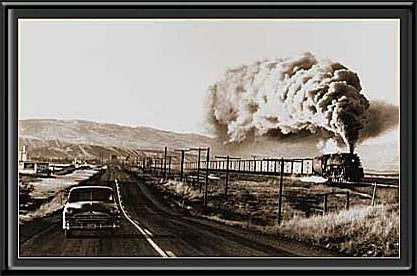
(90, 208)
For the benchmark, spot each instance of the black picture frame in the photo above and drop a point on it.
(11, 11)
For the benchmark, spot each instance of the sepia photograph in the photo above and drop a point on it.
(208, 138)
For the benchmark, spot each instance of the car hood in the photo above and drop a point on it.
(90, 206)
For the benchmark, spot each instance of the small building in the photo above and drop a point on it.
(34, 168)
(27, 167)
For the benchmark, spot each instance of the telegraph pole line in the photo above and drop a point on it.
(165, 163)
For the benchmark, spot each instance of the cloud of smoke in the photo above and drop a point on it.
(329, 146)
(381, 117)
(289, 96)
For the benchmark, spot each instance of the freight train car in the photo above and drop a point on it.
(339, 166)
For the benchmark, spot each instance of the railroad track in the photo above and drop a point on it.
(192, 173)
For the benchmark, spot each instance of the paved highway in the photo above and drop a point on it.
(151, 228)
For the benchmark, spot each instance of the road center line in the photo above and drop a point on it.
(171, 254)
(148, 239)
(149, 233)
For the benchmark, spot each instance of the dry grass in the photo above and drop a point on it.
(56, 203)
(181, 189)
(360, 231)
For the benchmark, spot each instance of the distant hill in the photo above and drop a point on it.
(68, 139)
(107, 135)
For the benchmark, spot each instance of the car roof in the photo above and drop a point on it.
(91, 187)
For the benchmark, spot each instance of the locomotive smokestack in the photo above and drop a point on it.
(351, 148)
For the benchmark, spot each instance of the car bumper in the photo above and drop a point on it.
(77, 224)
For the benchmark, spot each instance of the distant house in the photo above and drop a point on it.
(27, 167)
(34, 168)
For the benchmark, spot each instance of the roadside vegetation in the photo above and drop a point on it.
(361, 230)
(40, 197)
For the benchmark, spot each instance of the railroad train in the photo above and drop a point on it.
(339, 167)
(336, 167)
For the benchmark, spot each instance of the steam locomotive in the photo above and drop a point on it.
(339, 167)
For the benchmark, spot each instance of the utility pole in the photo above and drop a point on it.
(207, 171)
(198, 169)
(169, 165)
(165, 163)
(162, 166)
(182, 161)
(302, 166)
(198, 165)
(228, 158)
(206, 184)
(280, 191)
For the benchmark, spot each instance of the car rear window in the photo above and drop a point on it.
(91, 195)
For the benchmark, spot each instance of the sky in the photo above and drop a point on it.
(156, 73)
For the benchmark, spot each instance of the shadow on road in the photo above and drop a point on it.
(117, 236)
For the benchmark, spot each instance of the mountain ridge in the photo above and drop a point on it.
(105, 134)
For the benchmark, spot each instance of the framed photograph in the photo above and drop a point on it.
(197, 137)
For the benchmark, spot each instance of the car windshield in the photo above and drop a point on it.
(85, 194)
